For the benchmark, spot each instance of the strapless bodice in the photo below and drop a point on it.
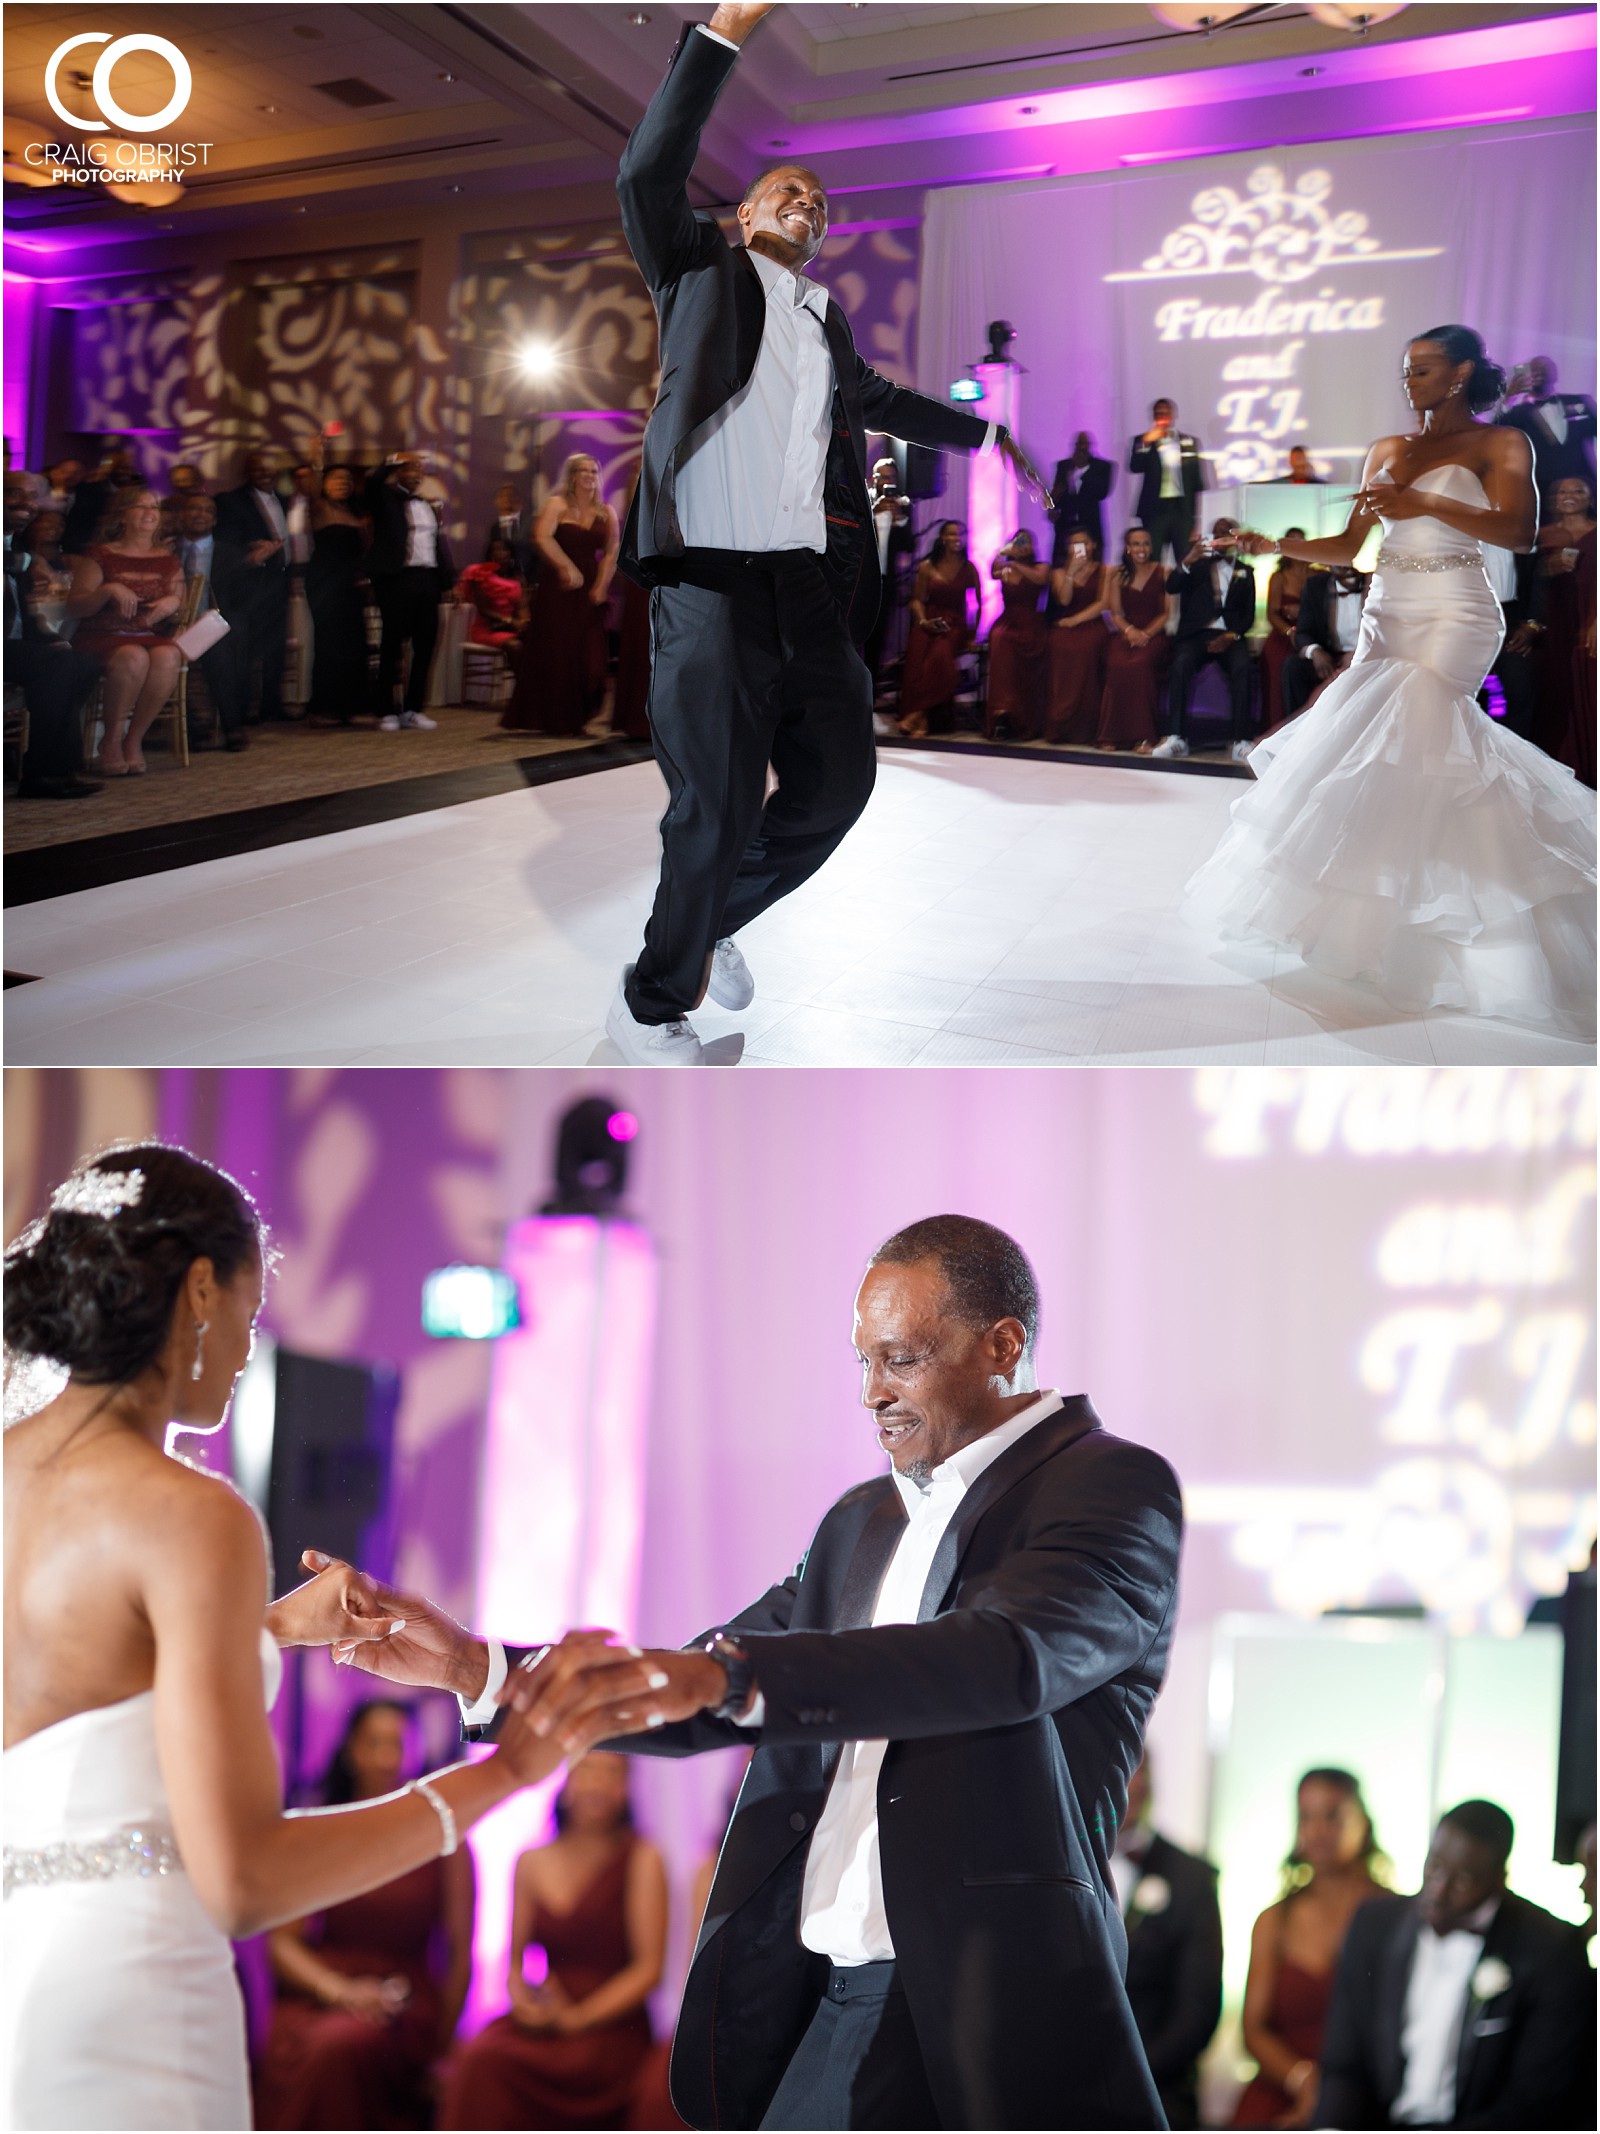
(1419, 543)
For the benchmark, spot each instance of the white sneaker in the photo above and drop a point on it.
(731, 985)
(650, 1044)
(389, 723)
(420, 720)
(1240, 751)
(1174, 745)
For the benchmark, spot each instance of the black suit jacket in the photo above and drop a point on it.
(1555, 459)
(1145, 461)
(711, 306)
(390, 525)
(1014, 1710)
(521, 538)
(1197, 599)
(234, 579)
(1175, 1972)
(1080, 508)
(1526, 2056)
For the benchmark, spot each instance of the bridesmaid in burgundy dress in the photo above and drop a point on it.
(1018, 645)
(571, 2052)
(561, 667)
(941, 630)
(1077, 642)
(1558, 600)
(1283, 612)
(367, 2002)
(1137, 653)
(126, 585)
(1294, 1949)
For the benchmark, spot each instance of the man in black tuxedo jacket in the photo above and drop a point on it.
(1325, 633)
(411, 570)
(1171, 476)
(511, 523)
(1081, 486)
(913, 1921)
(1559, 426)
(1174, 1925)
(250, 578)
(1216, 592)
(1463, 2006)
(750, 523)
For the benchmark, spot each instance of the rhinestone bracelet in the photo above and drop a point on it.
(442, 1809)
(131, 1850)
(1390, 559)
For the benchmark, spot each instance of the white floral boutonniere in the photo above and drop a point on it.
(1491, 1978)
(1151, 1893)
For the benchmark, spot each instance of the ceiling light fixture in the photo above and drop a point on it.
(1353, 15)
(1028, 111)
(449, 77)
(1209, 15)
(452, 188)
(1307, 72)
(777, 144)
(536, 359)
(639, 19)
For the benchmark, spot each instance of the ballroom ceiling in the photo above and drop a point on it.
(356, 110)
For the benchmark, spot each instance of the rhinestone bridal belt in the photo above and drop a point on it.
(130, 1850)
(1391, 559)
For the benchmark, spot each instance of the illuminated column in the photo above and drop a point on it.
(562, 1494)
(992, 487)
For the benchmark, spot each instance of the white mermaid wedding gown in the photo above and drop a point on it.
(121, 2008)
(1397, 836)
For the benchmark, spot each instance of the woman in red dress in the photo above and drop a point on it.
(124, 588)
(1077, 642)
(1294, 1949)
(493, 589)
(1136, 657)
(1018, 645)
(1284, 588)
(571, 2052)
(943, 608)
(561, 665)
(368, 2000)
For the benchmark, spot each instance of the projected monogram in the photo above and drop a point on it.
(1274, 232)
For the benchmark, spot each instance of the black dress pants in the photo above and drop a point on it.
(257, 611)
(408, 603)
(751, 663)
(859, 2063)
(55, 680)
(1189, 655)
(1171, 524)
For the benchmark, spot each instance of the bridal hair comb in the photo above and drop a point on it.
(104, 1193)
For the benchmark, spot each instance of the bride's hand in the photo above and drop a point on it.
(1253, 544)
(338, 1603)
(1384, 500)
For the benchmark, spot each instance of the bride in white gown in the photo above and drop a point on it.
(144, 1823)
(1395, 834)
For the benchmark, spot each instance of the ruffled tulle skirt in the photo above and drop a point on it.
(1397, 836)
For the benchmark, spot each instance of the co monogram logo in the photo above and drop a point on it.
(182, 82)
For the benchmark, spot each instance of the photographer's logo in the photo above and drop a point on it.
(153, 169)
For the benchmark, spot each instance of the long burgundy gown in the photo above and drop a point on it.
(561, 668)
(1299, 2015)
(1018, 651)
(1077, 666)
(511, 2077)
(930, 677)
(1275, 651)
(325, 2068)
(1131, 697)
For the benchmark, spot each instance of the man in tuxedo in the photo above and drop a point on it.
(55, 680)
(891, 530)
(197, 520)
(250, 578)
(1302, 473)
(1463, 2006)
(1325, 634)
(1216, 592)
(511, 523)
(1559, 426)
(1081, 486)
(1171, 477)
(913, 1921)
(751, 525)
(410, 569)
(1168, 1900)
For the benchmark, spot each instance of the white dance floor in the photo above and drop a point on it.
(985, 910)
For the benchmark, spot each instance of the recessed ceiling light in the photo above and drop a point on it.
(1028, 111)
(266, 107)
(449, 77)
(452, 188)
(639, 19)
(777, 144)
(1308, 71)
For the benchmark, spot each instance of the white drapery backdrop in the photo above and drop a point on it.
(1269, 294)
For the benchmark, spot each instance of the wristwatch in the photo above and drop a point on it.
(736, 1665)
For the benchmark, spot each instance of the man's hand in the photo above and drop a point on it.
(1321, 663)
(735, 19)
(258, 551)
(425, 1649)
(590, 1682)
(1032, 481)
(1222, 640)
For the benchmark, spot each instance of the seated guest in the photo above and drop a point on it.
(336, 595)
(511, 523)
(197, 552)
(944, 607)
(55, 679)
(572, 2050)
(369, 1995)
(1169, 1908)
(1326, 632)
(1284, 588)
(1216, 610)
(494, 591)
(1136, 653)
(127, 589)
(1556, 604)
(561, 668)
(251, 582)
(1017, 645)
(1079, 598)
(1464, 2006)
(1301, 471)
(1294, 1948)
(1080, 488)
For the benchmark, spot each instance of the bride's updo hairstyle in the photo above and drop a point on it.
(1487, 383)
(92, 1284)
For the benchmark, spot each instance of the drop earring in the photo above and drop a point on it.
(1455, 388)
(199, 1364)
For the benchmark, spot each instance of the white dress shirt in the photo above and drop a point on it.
(1347, 619)
(1171, 449)
(1430, 2032)
(842, 1914)
(422, 535)
(297, 520)
(1553, 414)
(272, 511)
